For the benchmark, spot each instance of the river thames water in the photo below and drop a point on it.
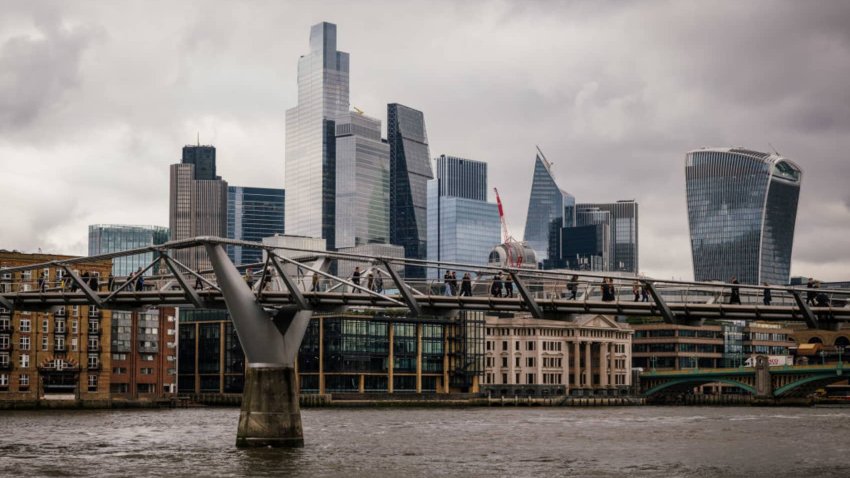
(627, 441)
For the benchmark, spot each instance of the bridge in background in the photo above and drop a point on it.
(761, 381)
(271, 303)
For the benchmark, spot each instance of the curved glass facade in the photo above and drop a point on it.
(547, 205)
(742, 208)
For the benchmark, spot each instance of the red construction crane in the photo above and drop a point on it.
(512, 246)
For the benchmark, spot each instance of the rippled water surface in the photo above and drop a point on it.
(629, 441)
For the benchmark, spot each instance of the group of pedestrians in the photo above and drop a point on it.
(451, 287)
(374, 280)
(815, 297)
(497, 289)
(640, 291)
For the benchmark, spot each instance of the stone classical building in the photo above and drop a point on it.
(590, 355)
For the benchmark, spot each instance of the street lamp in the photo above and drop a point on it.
(653, 360)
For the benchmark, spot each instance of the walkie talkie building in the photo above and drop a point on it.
(742, 208)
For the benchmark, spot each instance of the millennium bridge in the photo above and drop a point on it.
(270, 304)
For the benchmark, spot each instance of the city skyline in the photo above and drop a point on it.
(619, 126)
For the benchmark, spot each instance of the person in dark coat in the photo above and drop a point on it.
(735, 297)
(110, 281)
(572, 287)
(496, 288)
(810, 295)
(140, 280)
(466, 285)
(355, 278)
(766, 298)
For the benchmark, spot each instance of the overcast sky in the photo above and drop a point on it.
(97, 99)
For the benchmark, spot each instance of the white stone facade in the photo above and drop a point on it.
(525, 351)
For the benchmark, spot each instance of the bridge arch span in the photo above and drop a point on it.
(809, 383)
(697, 381)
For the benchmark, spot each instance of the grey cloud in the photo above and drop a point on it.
(614, 93)
(37, 71)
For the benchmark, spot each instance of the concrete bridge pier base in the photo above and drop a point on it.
(270, 415)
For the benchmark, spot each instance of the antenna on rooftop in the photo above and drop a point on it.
(199, 138)
(774, 149)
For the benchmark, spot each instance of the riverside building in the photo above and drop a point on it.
(60, 353)
(144, 353)
(742, 209)
(343, 354)
(663, 346)
(590, 355)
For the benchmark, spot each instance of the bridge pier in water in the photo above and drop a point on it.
(271, 415)
(270, 412)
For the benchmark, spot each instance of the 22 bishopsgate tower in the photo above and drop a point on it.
(310, 136)
(742, 208)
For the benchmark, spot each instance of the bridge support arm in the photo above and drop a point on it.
(294, 292)
(412, 304)
(666, 312)
(270, 414)
(190, 292)
(90, 294)
(533, 306)
(808, 315)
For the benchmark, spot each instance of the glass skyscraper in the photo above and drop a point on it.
(623, 225)
(362, 182)
(108, 238)
(310, 177)
(462, 226)
(742, 208)
(410, 171)
(252, 214)
(463, 178)
(549, 208)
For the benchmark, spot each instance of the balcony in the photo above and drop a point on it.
(5, 346)
(6, 328)
(60, 348)
(60, 331)
(6, 366)
(95, 331)
(93, 366)
(94, 348)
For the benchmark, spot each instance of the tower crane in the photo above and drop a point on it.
(512, 246)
